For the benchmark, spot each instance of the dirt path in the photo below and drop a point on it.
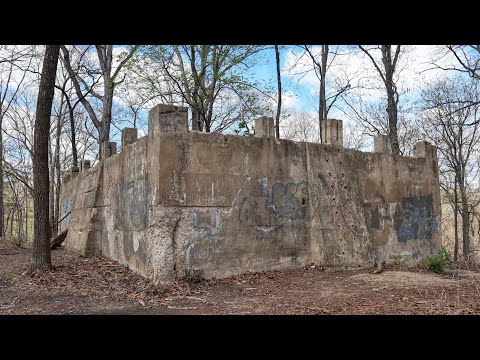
(99, 286)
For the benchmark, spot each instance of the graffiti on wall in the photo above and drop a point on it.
(132, 211)
(417, 220)
(284, 201)
(412, 218)
(292, 200)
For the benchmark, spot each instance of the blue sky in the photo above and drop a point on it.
(301, 94)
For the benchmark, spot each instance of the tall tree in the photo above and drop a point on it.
(279, 93)
(322, 105)
(41, 258)
(109, 76)
(456, 131)
(211, 79)
(467, 59)
(386, 70)
(11, 58)
(320, 61)
(67, 94)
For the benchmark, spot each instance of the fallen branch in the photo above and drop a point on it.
(58, 240)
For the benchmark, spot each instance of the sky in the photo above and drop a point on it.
(300, 92)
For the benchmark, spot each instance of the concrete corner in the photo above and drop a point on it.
(85, 165)
(129, 136)
(264, 127)
(167, 119)
(66, 178)
(381, 144)
(424, 149)
(74, 171)
(109, 149)
(332, 132)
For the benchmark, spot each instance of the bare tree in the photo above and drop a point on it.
(301, 126)
(320, 62)
(386, 70)
(134, 104)
(279, 93)
(41, 258)
(372, 120)
(455, 130)
(55, 165)
(66, 93)
(210, 79)
(467, 58)
(12, 59)
(109, 77)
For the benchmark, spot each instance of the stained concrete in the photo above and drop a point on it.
(174, 202)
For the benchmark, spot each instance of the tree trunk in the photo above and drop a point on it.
(465, 223)
(392, 117)
(322, 106)
(72, 134)
(279, 103)
(56, 161)
(41, 257)
(1, 176)
(19, 225)
(389, 66)
(26, 214)
(195, 124)
(455, 219)
(197, 120)
(207, 126)
(51, 200)
(104, 131)
(11, 222)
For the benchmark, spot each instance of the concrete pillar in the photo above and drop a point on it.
(167, 119)
(332, 132)
(66, 178)
(84, 165)
(381, 144)
(264, 127)
(74, 171)
(424, 149)
(129, 136)
(109, 149)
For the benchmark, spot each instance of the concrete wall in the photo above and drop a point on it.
(175, 202)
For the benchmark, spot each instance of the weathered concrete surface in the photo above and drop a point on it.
(80, 196)
(175, 202)
(129, 136)
(381, 144)
(332, 132)
(264, 127)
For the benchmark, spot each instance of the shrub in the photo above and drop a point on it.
(444, 254)
(437, 263)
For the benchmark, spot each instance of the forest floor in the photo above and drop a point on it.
(95, 285)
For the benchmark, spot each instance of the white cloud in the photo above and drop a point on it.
(289, 100)
(415, 69)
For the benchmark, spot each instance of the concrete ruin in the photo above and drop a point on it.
(176, 203)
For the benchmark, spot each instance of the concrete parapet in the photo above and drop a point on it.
(332, 132)
(167, 119)
(424, 149)
(85, 165)
(74, 171)
(264, 127)
(109, 149)
(381, 144)
(129, 136)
